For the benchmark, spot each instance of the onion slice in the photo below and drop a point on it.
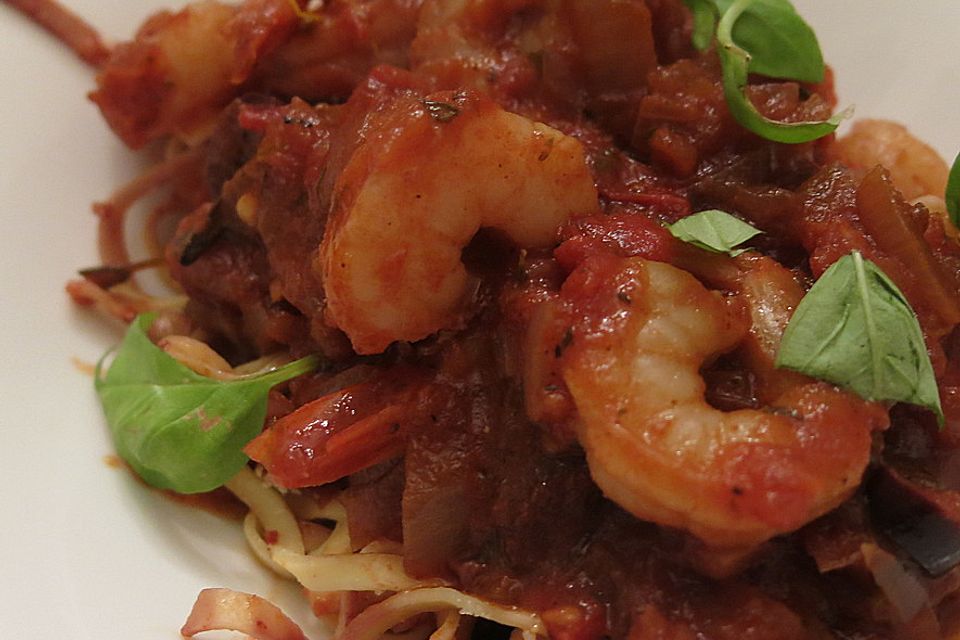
(226, 609)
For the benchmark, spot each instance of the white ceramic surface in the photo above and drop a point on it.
(85, 552)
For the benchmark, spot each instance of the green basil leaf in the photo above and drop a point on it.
(704, 22)
(952, 195)
(736, 63)
(855, 328)
(780, 42)
(714, 230)
(177, 429)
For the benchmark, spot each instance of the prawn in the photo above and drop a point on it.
(429, 175)
(916, 169)
(658, 449)
(182, 68)
(585, 47)
(156, 85)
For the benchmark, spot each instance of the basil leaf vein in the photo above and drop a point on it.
(855, 328)
(177, 429)
(714, 230)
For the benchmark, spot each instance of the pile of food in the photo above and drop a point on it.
(565, 318)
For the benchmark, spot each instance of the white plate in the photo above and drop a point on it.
(86, 552)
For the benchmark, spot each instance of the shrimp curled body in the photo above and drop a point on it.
(657, 448)
(411, 197)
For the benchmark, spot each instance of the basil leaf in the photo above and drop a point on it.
(736, 63)
(704, 22)
(952, 195)
(177, 429)
(854, 328)
(780, 42)
(714, 230)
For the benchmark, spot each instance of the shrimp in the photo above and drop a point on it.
(654, 445)
(432, 173)
(182, 68)
(585, 47)
(450, 46)
(916, 169)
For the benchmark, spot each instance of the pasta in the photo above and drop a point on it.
(538, 401)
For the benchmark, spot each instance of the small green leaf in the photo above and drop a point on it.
(735, 64)
(177, 429)
(781, 44)
(855, 328)
(704, 22)
(714, 230)
(952, 195)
